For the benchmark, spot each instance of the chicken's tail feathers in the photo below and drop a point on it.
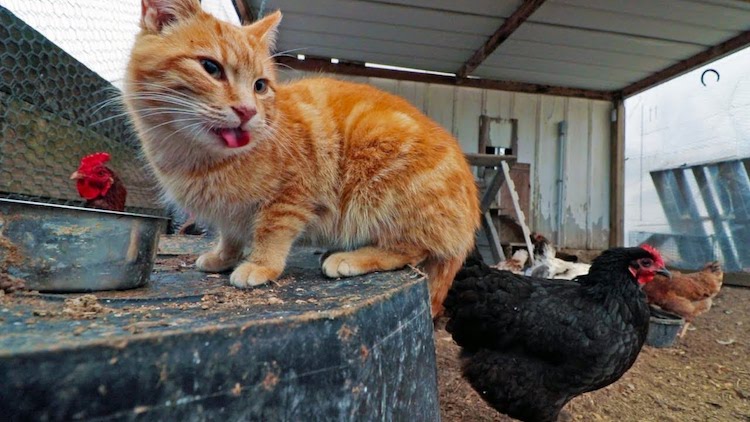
(440, 275)
(714, 267)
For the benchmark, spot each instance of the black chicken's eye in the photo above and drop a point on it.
(646, 262)
(212, 68)
(261, 86)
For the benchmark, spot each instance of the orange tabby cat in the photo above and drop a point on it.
(354, 168)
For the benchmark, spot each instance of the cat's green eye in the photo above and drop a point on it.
(212, 68)
(261, 86)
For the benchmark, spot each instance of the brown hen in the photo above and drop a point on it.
(687, 295)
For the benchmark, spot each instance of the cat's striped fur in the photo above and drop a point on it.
(355, 168)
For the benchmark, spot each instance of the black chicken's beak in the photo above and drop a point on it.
(665, 272)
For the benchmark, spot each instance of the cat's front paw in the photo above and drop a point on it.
(339, 265)
(212, 262)
(250, 275)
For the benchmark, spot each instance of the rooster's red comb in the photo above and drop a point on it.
(655, 253)
(95, 159)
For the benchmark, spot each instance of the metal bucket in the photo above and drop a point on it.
(56, 248)
(663, 328)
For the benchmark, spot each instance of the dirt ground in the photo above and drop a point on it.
(705, 376)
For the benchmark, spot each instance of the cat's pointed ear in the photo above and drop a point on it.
(266, 29)
(156, 14)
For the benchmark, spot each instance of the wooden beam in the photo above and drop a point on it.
(488, 160)
(617, 176)
(319, 64)
(503, 33)
(677, 69)
(244, 10)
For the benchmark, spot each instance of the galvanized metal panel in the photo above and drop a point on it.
(380, 58)
(578, 55)
(368, 45)
(698, 14)
(569, 68)
(589, 44)
(498, 8)
(380, 31)
(605, 41)
(663, 27)
(547, 76)
(392, 14)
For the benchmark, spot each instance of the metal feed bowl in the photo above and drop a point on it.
(56, 248)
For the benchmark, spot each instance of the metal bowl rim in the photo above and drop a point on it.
(68, 207)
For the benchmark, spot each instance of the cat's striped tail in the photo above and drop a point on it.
(440, 275)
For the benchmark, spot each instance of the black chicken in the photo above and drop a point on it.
(530, 344)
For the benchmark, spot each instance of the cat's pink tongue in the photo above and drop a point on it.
(235, 138)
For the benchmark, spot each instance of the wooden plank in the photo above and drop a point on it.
(599, 175)
(575, 210)
(503, 33)
(439, 105)
(520, 174)
(466, 114)
(617, 178)
(488, 197)
(741, 279)
(708, 55)
(544, 201)
(488, 160)
(521, 218)
(319, 64)
(492, 237)
(524, 109)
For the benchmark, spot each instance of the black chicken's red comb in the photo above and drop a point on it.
(654, 252)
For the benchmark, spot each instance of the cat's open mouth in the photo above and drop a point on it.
(233, 137)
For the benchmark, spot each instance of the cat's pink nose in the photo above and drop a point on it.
(245, 113)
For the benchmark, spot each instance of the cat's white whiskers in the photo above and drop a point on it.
(195, 119)
(145, 112)
(164, 98)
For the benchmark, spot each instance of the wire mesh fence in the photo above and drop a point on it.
(53, 111)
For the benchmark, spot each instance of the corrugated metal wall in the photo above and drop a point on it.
(585, 217)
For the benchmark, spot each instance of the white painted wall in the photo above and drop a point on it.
(100, 34)
(683, 122)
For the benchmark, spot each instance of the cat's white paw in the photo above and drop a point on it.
(211, 262)
(250, 275)
(337, 265)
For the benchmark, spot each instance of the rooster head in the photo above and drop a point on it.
(93, 178)
(645, 267)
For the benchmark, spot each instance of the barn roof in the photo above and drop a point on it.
(604, 49)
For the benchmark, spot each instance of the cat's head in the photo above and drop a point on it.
(195, 82)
